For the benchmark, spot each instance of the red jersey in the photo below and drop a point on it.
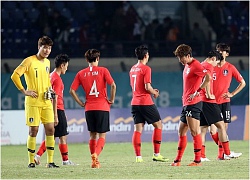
(209, 68)
(222, 79)
(140, 74)
(94, 80)
(192, 78)
(58, 87)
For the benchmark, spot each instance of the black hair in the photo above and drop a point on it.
(215, 53)
(141, 51)
(61, 59)
(223, 47)
(91, 55)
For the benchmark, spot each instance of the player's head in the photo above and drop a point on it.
(224, 49)
(215, 53)
(45, 40)
(141, 52)
(44, 46)
(215, 57)
(92, 55)
(183, 52)
(62, 61)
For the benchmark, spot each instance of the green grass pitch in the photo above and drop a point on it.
(118, 162)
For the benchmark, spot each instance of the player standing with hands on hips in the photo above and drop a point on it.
(94, 80)
(143, 108)
(224, 72)
(38, 105)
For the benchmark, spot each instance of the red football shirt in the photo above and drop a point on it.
(140, 74)
(94, 82)
(209, 68)
(222, 79)
(58, 87)
(192, 78)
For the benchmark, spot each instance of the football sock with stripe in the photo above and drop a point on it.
(31, 146)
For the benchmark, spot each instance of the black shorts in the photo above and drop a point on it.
(210, 114)
(61, 128)
(193, 111)
(97, 121)
(226, 111)
(145, 113)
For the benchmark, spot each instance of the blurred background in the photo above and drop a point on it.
(116, 28)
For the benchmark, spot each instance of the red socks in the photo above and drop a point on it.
(156, 139)
(197, 147)
(92, 146)
(181, 147)
(136, 141)
(41, 149)
(64, 151)
(99, 146)
(203, 151)
(215, 137)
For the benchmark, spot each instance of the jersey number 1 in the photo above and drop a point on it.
(93, 90)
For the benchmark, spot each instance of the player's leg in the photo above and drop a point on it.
(138, 127)
(193, 120)
(182, 142)
(32, 115)
(204, 128)
(152, 116)
(48, 122)
(62, 132)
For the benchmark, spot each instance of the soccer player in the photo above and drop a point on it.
(143, 108)
(193, 82)
(38, 105)
(223, 74)
(211, 113)
(94, 80)
(61, 66)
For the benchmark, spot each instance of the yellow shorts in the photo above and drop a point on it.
(35, 115)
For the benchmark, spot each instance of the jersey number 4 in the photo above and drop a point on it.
(93, 90)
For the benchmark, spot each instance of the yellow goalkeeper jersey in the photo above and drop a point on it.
(37, 78)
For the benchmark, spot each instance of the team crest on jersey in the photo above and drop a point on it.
(31, 120)
(225, 72)
(47, 69)
(188, 71)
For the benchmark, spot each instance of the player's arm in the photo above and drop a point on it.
(54, 102)
(112, 93)
(151, 90)
(75, 97)
(17, 81)
(241, 85)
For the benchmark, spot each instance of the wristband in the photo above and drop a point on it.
(199, 90)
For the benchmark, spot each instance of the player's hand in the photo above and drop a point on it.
(83, 104)
(192, 96)
(227, 95)
(111, 101)
(210, 96)
(157, 93)
(31, 93)
(56, 121)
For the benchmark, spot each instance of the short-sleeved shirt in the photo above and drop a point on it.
(222, 79)
(36, 74)
(209, 68)
(58, 87)
(140, 74)
(94, 80)
(192, 78)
